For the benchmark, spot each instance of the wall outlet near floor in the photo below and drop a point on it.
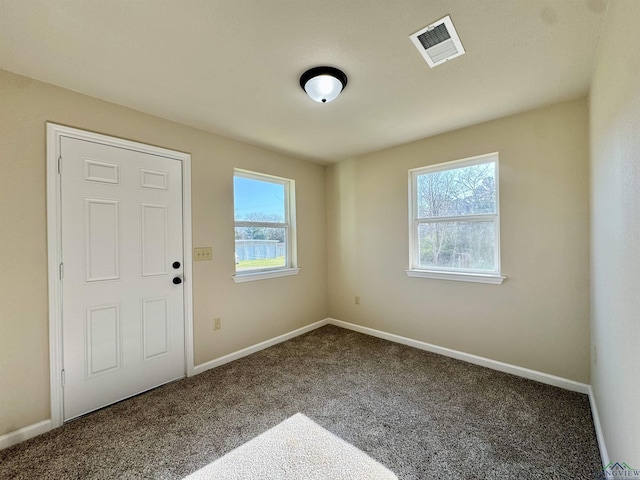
(201, 253)
(216, 324)
(357, 299)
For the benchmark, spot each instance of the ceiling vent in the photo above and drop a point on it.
(438, 42)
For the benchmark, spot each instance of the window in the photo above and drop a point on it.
(455, 221)
(264, 213)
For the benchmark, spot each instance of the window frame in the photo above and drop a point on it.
(289, 226)
(448, 273)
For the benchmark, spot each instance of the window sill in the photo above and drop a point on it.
(251, 276)
(492, 278)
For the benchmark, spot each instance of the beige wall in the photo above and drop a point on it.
(251, 312)
(539, 317)
(615, 232)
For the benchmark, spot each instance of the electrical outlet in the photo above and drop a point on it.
(357, 300)
(216, 324)
(201, 253)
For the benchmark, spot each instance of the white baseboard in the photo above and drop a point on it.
(467, 357)
(44, 426)
(9, 439)
(604, 455)
(495, 365)
(447, 352)
(203, 367)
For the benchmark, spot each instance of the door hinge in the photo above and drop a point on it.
(61, 271)
(62, 377)
(60, 165)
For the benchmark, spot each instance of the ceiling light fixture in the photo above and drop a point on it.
(323, 84)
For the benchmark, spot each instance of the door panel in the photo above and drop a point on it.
(123, 318)
(103, 339)
(154, 240)
(102, 240)
(155, 327)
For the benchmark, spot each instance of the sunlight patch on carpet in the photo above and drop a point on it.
(297, 448)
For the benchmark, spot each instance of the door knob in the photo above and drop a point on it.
(176, 265)
(177, 280)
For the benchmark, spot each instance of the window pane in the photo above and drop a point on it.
(258, 201)
(457, 245)
(459, 191)
(260, 248)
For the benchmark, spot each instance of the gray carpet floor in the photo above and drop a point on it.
(421, 415)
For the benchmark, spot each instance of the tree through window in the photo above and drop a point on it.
(264, 221)
(455, 217)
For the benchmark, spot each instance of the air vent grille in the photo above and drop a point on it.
(433, 37)
(438, 42)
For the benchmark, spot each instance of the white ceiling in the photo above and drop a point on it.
(232, 66)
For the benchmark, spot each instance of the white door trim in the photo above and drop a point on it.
(54, 246)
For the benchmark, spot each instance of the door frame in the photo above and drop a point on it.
(55, 133)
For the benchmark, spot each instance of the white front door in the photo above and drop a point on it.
(122, 290)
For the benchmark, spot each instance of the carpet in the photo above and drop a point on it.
(423, 416)
(296, 449)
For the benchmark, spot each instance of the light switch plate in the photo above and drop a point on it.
(201, 253)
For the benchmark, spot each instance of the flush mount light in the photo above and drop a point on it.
(323, 84)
